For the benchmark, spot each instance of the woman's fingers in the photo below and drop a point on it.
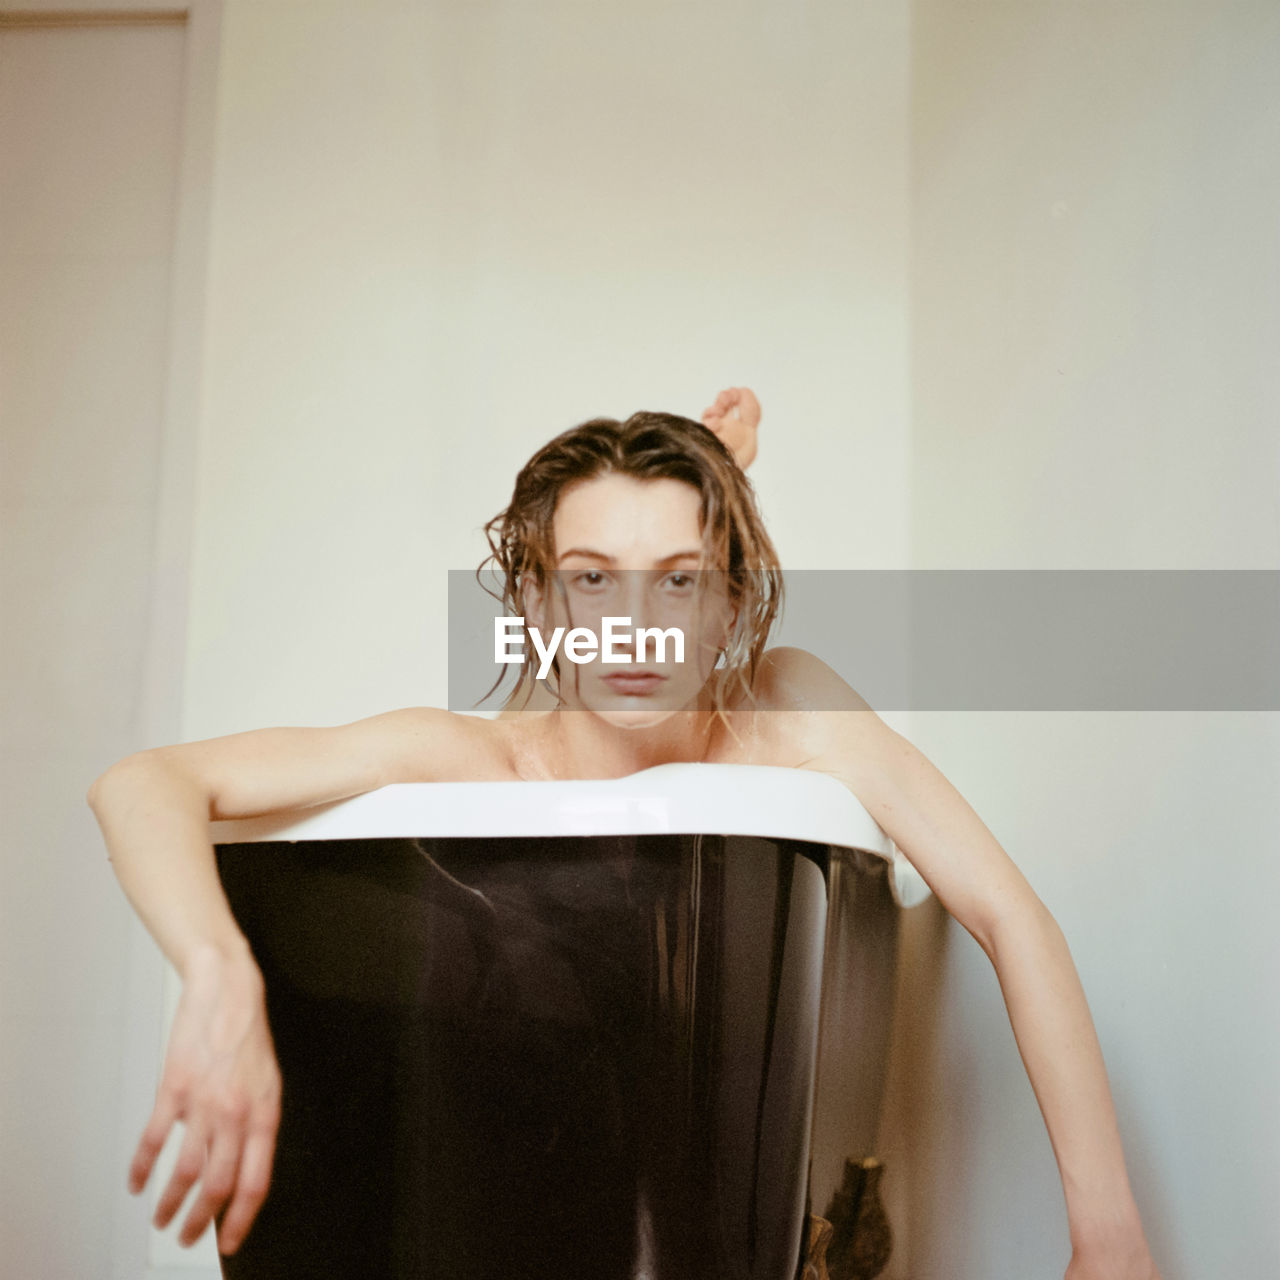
(190, 1165)
(221, 1079)
(153, 1139)
(735, 419)
(218, 1183)
(745, 404)
(734, 405)
(252, 1184)
(722, 404)
(239, 1139)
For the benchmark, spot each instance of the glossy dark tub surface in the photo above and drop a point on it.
(537, 1056)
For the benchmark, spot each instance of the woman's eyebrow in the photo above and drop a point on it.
(589, 554)
(585, 552)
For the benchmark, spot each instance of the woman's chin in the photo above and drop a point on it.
(640, 717)
(636, 711)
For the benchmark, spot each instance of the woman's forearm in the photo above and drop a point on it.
(155, 823)
(1059, 1047)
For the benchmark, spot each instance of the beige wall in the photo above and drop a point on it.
(1094, 316)
(92, 262)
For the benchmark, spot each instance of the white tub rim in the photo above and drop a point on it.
(670, 799)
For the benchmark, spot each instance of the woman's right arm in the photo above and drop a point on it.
(154, 809)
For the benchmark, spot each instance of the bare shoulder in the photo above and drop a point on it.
(792, 679)
(805, 714)
(427, 744)
(819, 722)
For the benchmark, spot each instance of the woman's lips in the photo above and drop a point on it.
(635, 683)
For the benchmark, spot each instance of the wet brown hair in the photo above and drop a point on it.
(647, 446)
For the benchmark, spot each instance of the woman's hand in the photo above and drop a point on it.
(735, 418)
(222, 1080)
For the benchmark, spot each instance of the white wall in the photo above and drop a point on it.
(441, 234)
(1094, 290)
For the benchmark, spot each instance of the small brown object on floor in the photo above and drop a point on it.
(861, 1238)
(815, 1258)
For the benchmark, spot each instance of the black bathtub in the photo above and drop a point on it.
(558, 1030)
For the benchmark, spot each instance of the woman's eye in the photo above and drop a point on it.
(590, 578)
(680, 581)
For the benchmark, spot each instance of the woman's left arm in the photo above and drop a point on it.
(978, 883)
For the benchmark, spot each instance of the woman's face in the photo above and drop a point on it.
(628, 548)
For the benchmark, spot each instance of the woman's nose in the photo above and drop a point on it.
(629, 603)
(644, 603)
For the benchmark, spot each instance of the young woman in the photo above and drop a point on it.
(652, 519)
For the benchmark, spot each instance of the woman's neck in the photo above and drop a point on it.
(580, 745)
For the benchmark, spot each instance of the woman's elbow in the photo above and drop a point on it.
(124, 773)
(1013, 917)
